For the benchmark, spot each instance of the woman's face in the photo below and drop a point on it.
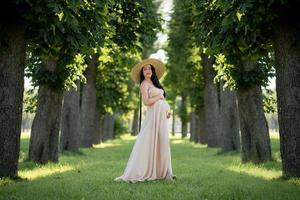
(147, 71)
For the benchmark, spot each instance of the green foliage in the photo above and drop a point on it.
(62, 77)
(64, 28)
(134, 24)
(62, 31)
(184, 69)
(132, 28)
(269, 101)
(30, 100)
(113, 82)
(237, 30)
(120, 127)
(197, 82)
(237, 77)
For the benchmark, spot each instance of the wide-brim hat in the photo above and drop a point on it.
(157, 64)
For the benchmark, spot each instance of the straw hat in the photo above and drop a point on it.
(157, 64)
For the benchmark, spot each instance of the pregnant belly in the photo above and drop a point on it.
(165, 106)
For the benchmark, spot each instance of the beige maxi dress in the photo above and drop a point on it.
(150, 158)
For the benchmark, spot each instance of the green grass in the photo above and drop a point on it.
(201, 174)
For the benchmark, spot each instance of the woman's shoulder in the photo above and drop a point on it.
(145, 84)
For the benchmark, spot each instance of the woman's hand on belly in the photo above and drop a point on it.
(168, 115)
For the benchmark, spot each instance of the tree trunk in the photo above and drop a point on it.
(255, 140)
(193, 127)
(211, 103)
(88, 104)
(70, 122)
(101, 128)
(45, 127)
(173, 120)
(97, 136)
(135, 122)
(184, 118)
(202, 135)
(108, 126)
(12, 62)
(229, 120)
(287, 58)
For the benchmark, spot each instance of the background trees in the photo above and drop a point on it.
(79, 54)
(248, 40)
(59, 38)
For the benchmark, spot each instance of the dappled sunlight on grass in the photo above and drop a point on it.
(25, 135)
(179, 141)
(197, 145)
(43, 171)
(116, 142)
(127, 137)
(176, 139)
(274, 134)
(106, 144)
(256, 171)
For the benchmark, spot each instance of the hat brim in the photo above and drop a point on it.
(157, 64)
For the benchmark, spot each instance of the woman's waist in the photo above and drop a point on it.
(161, 101)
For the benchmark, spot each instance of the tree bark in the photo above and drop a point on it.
(101, 128)
(184, 118)
(173, 120)
(255, 140)
(108, 126)
(12, 62)
(211, 103)
(202, 135)
(88, 104)
(287, 58)
(98, 136)
(229, 120)
(46, 124)
(70, 122)
(193, 127)
(135, 122)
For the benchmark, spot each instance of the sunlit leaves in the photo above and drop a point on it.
(131, 32)
(113, 83)
(235, 29)
(63, 31)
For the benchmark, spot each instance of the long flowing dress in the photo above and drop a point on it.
(150, 158)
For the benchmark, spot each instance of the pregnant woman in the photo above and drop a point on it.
(150, 158)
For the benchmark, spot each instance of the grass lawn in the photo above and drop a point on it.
(201, 174)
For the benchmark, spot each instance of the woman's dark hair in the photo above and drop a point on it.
(154, 79)
(156, 83)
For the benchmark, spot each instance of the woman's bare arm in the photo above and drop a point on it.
(145, 97)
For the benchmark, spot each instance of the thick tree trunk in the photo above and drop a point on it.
(88, 104)
(135, 122)
(184, 118)
(255, 140)
(211, 103)
(46, 124)
(202, 135)
(70, 122)
(287, 57)
(229, 120)
(12, 62)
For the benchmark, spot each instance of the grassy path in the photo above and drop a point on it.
(201, 174)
